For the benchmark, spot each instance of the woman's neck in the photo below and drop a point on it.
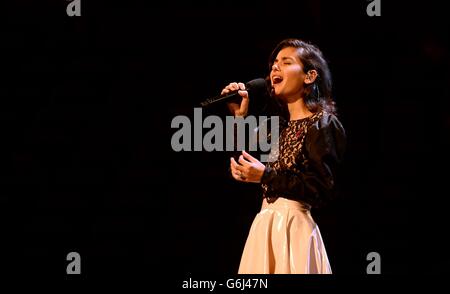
(298, 110)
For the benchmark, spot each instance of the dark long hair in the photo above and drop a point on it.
(317, 94)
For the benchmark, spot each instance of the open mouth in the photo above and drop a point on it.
(276, 80)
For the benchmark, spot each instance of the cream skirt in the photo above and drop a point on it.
(284, 239)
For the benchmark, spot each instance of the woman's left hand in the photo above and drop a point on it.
(247, 169)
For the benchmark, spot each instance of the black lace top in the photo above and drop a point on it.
(304, 168)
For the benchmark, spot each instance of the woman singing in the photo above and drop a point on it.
(284, 239)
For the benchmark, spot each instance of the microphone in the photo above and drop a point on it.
(252, 86)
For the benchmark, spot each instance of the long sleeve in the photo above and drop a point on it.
(315, 184)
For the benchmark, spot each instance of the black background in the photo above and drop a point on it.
(87, 104)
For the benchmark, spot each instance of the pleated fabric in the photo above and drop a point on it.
(284, 239)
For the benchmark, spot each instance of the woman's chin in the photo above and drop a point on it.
(276, 92)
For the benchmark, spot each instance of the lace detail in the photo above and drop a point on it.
(290, 154)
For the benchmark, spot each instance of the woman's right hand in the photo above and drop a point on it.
(237, 109)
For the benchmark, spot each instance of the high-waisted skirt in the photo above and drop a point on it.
(284, 239)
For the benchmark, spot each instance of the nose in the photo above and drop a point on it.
(275, 67)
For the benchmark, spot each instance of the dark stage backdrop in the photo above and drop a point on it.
(87, 104)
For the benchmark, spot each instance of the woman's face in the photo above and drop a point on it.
(287, 75)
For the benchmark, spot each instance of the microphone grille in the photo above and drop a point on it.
(259, 83)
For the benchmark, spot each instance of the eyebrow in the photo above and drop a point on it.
(284, 58)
